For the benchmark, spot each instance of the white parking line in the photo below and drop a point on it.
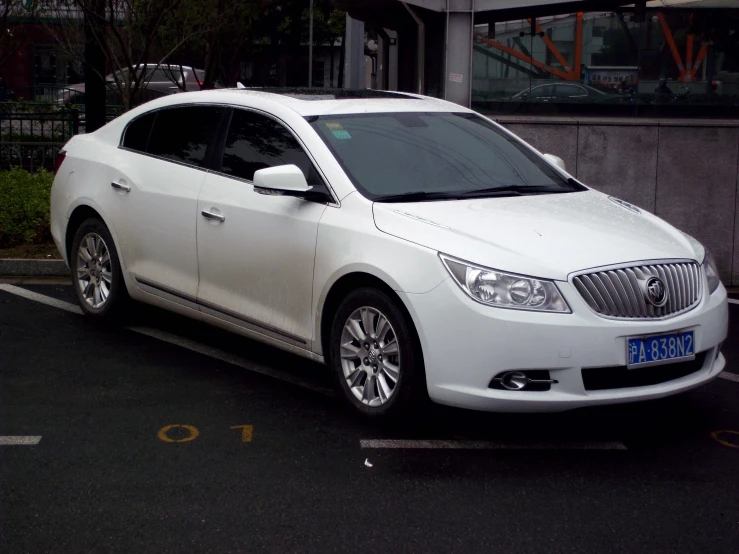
(486, 445)
(229, 358)
(729, 376)
(19, 440)
(36, 297)
(194, 346)
(732, 301)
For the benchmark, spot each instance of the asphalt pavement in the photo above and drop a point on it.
(171, 436)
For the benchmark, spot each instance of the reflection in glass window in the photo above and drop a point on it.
(570, 91)
(657, 57)
(183, 134)
(542, 91)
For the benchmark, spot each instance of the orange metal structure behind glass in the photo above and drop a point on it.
(688, 70)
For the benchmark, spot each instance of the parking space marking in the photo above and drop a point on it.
(36, 297)
(732, 301)
(486, 445)
(229, 358)
(722, 438)
(20, 440)
(729, 376)
(192, 433)
(191, 345)
(247, 432)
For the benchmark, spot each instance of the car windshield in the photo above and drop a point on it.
(429, 156)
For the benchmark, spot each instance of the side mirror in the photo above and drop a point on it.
(286, 180)
(555, 160)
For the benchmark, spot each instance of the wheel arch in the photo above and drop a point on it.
(338, 291)
(86, 209)
(76, 218)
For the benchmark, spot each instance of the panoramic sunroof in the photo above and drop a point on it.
(333, 93)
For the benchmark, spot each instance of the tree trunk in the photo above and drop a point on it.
(213, 49)
(94, 67)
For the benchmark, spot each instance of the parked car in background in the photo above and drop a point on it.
(562, 91)
(157, 81)
(413, 245)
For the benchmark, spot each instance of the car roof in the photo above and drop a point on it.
(316, 101)
(283, 103)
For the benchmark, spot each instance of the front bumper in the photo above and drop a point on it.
(466, 344)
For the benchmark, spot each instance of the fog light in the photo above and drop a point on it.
(514, 380)
(529, 380)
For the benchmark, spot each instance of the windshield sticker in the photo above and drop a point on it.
(342, 135)
(334, 126)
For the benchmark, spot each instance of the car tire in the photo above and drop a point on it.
(381, 375)
(96, 272)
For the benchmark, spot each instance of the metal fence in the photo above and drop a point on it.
(30, 138)
(60, 95)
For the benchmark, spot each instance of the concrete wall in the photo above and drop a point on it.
(685, 171)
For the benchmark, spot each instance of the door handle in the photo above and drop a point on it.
(213, 217)
(120, 186)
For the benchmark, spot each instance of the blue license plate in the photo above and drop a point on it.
(659, 349)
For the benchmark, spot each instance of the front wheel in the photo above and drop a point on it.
(375, 355)
(96, 271)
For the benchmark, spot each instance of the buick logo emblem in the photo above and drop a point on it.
(656, 292)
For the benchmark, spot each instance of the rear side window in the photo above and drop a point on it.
(183, 134)
(137, 132)
(255, 142)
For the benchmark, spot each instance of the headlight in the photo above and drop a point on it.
(709, 266)
(505, 290)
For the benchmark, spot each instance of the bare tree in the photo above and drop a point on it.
(134, 33)
(126, 33)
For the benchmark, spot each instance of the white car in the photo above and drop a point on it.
(417, 248)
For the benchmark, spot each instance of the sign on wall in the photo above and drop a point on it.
(612, 77)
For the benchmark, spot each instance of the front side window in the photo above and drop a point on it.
(183, 134)
(255, 142)
(447, 155)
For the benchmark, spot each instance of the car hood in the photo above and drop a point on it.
(547, 236)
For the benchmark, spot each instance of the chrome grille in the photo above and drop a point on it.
(621, 293)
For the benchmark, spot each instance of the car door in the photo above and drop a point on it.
(256, 251)
(154, 187)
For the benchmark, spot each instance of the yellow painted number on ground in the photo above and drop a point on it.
(192, 433)
(724, 438)
(246, 432)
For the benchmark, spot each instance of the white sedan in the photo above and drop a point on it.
(417, 248)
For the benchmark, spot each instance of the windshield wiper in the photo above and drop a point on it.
(417, 196)
(507, 190)
(513, 190)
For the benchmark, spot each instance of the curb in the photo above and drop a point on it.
(19, 267)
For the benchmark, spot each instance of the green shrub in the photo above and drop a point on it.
(24, 207)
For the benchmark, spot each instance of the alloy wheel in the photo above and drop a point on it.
(94, 270)
(370, 356)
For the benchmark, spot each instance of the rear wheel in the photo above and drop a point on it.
(96, 271)
(375, 355)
